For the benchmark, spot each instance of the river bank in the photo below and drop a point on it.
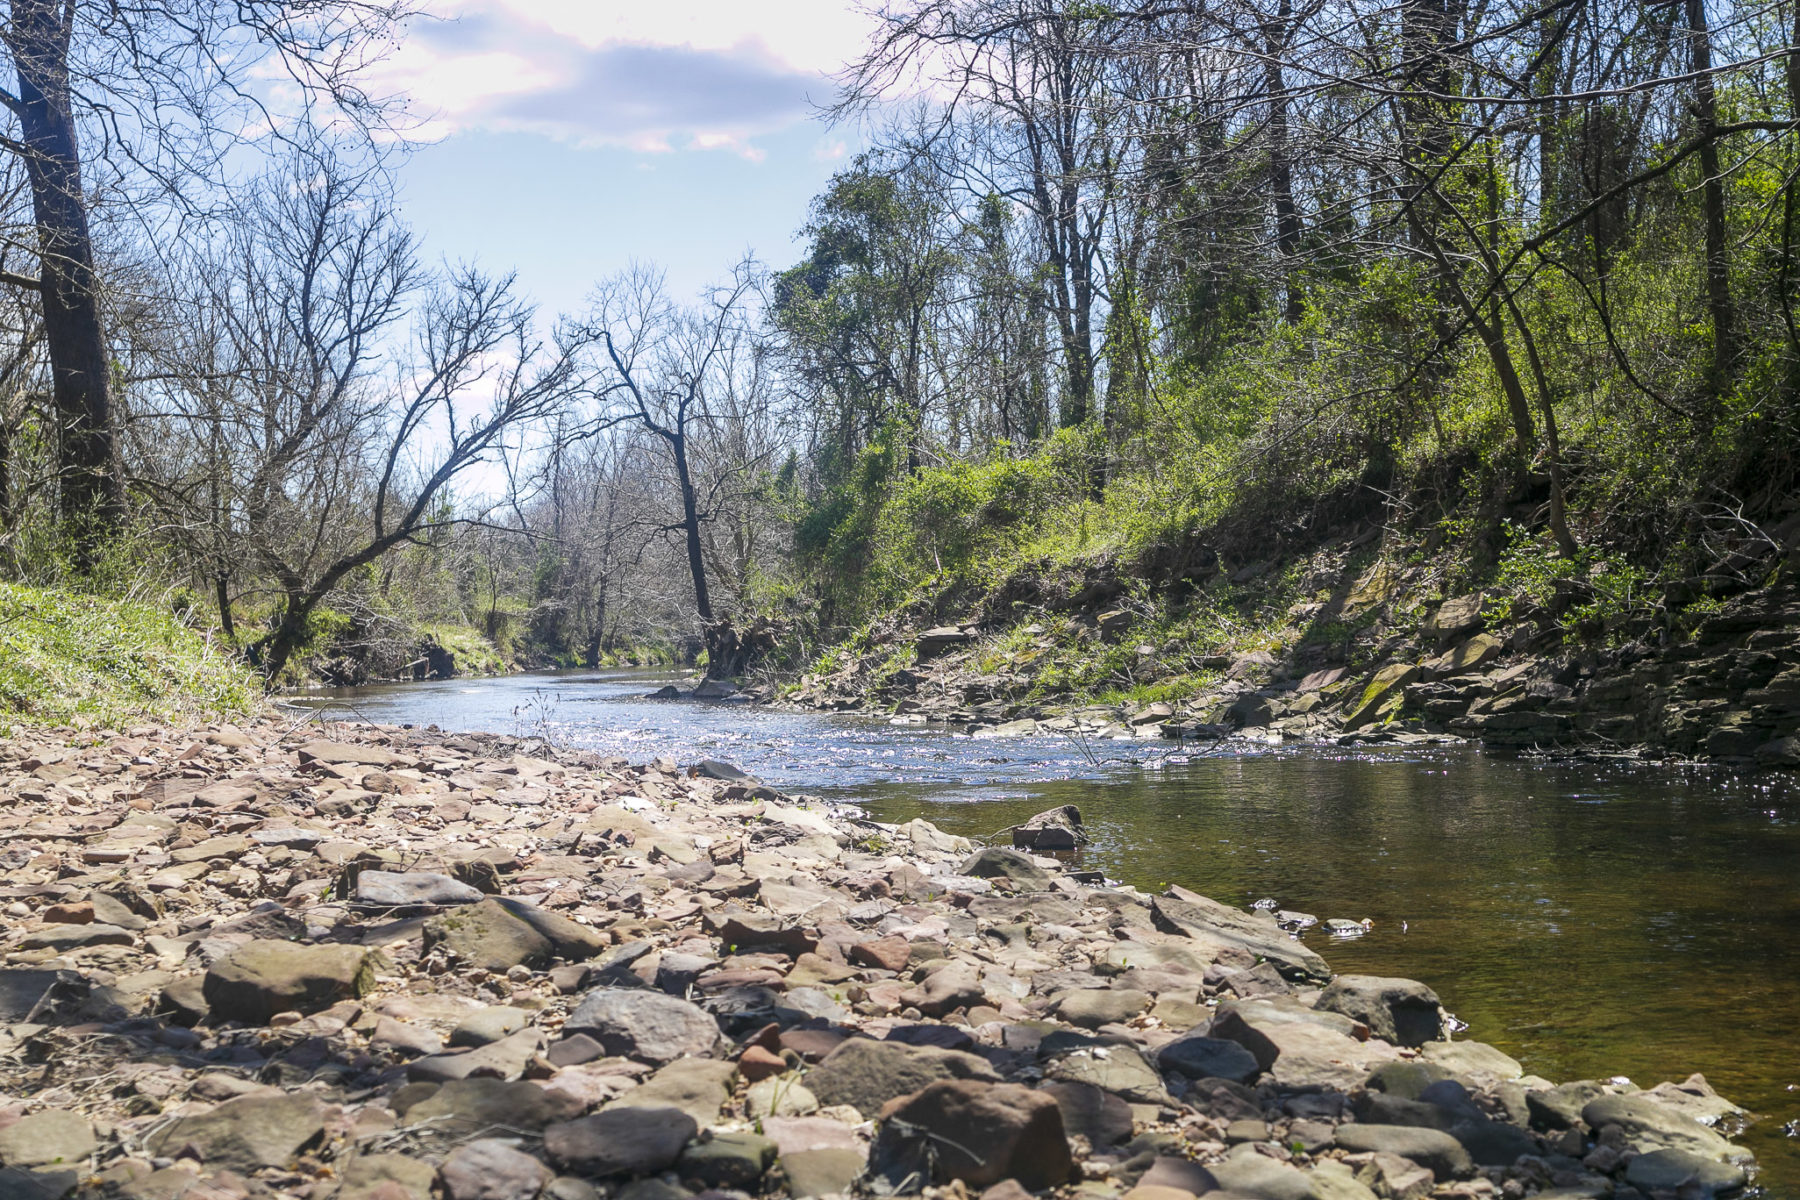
(1341, 648)
(356, 961)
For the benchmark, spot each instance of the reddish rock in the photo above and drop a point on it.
(78, 913)
(757, 1063)
(975, 1131)
(884, 954)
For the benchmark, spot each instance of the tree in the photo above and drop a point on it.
(163, 90)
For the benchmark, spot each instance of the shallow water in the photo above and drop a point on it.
(1591, 920)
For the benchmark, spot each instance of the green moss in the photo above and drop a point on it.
(75, 659)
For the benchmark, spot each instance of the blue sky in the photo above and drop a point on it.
(566, 138)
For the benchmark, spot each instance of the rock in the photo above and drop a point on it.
(954, 985)
(489, 1025)
(1402, 1011)
(503, 1059)
(574, 1050)
(1100, 1117)
(1560, 1107)
(1118, 1068)
(866, 1074)
(491, 1169)
(1679, 1171)
(825, 1172)
(974, 1131)
(1381, 699)
(489, 936)
(1408, 1079)
(1397, 1178)
(404, 1039)
(1432, 1148)
(884, 954)
(73, 937)
(1219, 928)
(1332, 1180)
(21, 1184)
(1247, 1173)
(712, 768)
(568, 939)
(776, 1097)
(1168, 1173)
(1202, 1057)
(1456, 616)
(1651, 1125)
(464, 1108)
(264, 977)
(1471, 1059)
(698, 1087)
(714, 689)
(49, 1138)
(728, 1160)
(344, 754)
(997, 862)
(1297, 1047)
(945, 637)
(644, 1025)
(246, 1134)
(620, 1141)
(1052, 830)
(79, 912)
(386, 1177)
(412, 889)
(1090, 1008)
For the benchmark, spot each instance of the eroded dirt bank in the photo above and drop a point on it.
(379, 964)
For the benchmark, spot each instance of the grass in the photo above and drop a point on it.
(68, 659)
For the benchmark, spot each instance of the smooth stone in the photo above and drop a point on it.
(386, 1177)
(1674, 1170)
(1203, 1057)
(865, 1074)
(1428, 1147)
(974, 1131)
(630, 1140)
(489, 1025)
(826, 1172)
(644, 1025)
(248, 1133)
(698, 1087)
(727, 1160)
(45, 1139)
(1402, 1011)
(412, 889)
(265, 977)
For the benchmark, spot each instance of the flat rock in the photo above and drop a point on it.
(736, 1159)
(74, 937)
(698, 1087)
(264, 977)
(1218, 927)
(503, 1059)
(1675, 1170)
(644, 1025)
(1100, 1117)
(489, 936)
(825, 1172)
(489, 1025)
(865, 1074)
(629, 1140)
(412, 889)
(1431, 1148)
(248, 1133)
(490, 1169)
(1198, 1056)
(49, 1138)
(386, 1177)
(997, 862)
(1090, 1008)
(464, 1108)
(1247, 1173)
(348, 754)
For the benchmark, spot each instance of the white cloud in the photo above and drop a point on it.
(656, 77)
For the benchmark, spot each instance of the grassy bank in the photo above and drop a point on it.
(69, 659)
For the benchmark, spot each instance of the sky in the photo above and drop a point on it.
(567, 138)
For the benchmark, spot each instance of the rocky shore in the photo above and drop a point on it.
(1421, 668)
(380, 964)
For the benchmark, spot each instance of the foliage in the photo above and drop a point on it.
(69, 658)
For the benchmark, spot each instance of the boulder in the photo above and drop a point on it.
(1652, 1125)
(1296, 1046)
(385, 1177)
(501, 932)
(1100, 1117)
(463, 1108)
(1054, 829)
(997, 862)
(1679, 1172)
(1117, 1067)
(866, 1074)
(1402, 1011)
(644, 1025)
(265, 977)
(827, 1171)
(1090, 1008)
(631, 1140)
(1382, 697)
(698, 1087)
(974, 1131)
(1245, 1172)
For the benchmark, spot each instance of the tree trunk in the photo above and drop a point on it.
(1712, 199)
(91, 500)
(690, 523)
(222, 591)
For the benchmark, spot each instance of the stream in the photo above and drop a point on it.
(1590, 919)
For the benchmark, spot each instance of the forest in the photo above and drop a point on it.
(1129, 288)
